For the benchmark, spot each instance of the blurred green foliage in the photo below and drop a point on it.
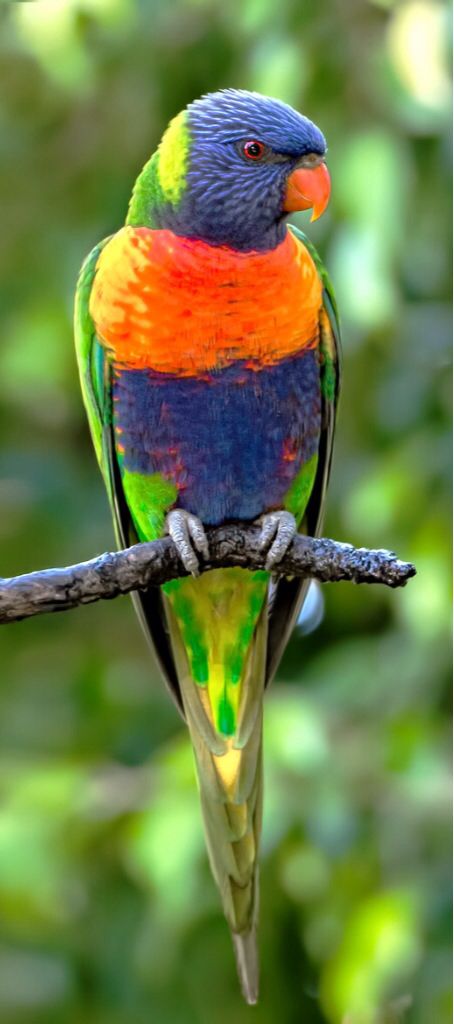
(108, 912)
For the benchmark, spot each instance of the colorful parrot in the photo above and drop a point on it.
(207, 342)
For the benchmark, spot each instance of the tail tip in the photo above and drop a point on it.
(245, 947)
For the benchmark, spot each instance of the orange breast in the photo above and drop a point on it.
(181, 306)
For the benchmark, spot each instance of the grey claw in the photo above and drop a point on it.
(278, 531)
(187, 533)
(198, 535)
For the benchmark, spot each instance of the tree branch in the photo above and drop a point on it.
(145, 565)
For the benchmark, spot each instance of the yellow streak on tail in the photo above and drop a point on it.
(227, 766)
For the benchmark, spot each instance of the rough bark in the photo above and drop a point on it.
(145, 565)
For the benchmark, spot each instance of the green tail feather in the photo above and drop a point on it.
(228, 753)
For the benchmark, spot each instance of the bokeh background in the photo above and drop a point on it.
(108, 912)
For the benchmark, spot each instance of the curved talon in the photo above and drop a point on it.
(278, 531)
(189, 537)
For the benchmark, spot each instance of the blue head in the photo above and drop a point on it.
(230, 168)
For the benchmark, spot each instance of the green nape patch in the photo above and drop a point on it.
(147, 196)
(173, 153)
(163, 178)
(299, 493)
(149, 498)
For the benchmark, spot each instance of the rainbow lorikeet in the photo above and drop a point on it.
(207, 342)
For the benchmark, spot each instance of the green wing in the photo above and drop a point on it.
(288, 595)
(330, 372)
(95, 379)
(93, 369)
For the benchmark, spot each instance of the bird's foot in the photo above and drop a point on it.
(189, 537)
(278, 531)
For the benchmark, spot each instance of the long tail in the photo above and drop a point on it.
(228, 749)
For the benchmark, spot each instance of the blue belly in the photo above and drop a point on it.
(232, 442)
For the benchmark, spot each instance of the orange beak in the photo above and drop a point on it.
(308, 188)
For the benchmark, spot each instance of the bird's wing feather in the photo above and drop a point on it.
(288, 595)
(95, 377)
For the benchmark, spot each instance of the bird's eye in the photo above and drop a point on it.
(254, 150)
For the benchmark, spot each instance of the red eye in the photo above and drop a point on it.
(254, 150)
